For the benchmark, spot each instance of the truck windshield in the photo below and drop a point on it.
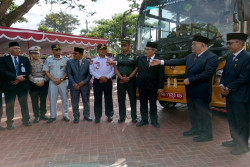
(172, 23)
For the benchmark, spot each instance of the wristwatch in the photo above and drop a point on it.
(61, 79)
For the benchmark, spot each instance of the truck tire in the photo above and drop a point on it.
(166, 104)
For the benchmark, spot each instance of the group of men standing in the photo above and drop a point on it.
(145, 72)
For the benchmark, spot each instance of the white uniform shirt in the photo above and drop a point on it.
(100, 68)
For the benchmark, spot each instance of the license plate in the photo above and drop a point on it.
(172, 95)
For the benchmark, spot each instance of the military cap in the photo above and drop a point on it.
(240, 36)
(34, 49)
(125, 41)
(55, 46)
(13, 44)
(80, 50)
(152, 45)
(101, 46)
(200, 38)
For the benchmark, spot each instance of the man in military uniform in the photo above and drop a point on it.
(126, 81)
(79, 83)
(55, 69)
(235, 86)
(16, 71)
(102, 74)
(38, 85)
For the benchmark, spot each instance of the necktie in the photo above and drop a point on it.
(78, 65)
(233, 56)
(16, 66)
(196, 57)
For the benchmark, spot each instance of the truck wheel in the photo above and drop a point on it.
(166, 104)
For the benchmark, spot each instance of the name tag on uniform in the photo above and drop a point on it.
(22, 68)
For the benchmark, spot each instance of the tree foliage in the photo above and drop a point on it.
(60, 22)
(10, 13)
(111, 30)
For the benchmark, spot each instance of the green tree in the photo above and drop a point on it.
(111, 30)
(60, 22)
(10, 13)
(43, 28)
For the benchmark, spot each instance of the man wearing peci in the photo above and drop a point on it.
(79, 83)
(126, 82)
(235, 86)
(16, 83)
(55, 69)
(200, 67)
(150, 82)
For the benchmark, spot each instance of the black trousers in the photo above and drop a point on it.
(39, 94)
(1, 104)
(148, 94)
(200, 114)
(129, 87)
(99, 89)
(10, 97)
(238, 119)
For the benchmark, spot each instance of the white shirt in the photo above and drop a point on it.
(13, 59)
(100, 68)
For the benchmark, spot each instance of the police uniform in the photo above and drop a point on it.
(97, 69)
(38, 94)
(129, 86)
(57, 68)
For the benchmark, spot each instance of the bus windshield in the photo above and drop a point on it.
(172, 23)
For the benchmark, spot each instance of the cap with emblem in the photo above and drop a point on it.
(152, 45)
(125, 41)
(80, 50)
(200, 38)
(239, 36)
(13, 44)
(55, 47)
(34, 49)
(101, 46)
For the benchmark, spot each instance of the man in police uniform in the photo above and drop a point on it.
(55, 69)
(126, 81)
(79, 83)
(38, 85)
(1, 91)
(200, 68)
(102, 73)
(16, 71)
(235, 86)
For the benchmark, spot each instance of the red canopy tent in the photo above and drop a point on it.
(27, 38)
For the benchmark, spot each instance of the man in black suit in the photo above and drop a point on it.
(150, 82)
(16, 83)
(200, 67)
(1, 91)
(235, 86)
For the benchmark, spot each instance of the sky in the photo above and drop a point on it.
(103, 8)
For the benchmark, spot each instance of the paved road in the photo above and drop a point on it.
(86, 144)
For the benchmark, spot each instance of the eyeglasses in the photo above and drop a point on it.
(230, 43)
(148, 49)
(75, 53)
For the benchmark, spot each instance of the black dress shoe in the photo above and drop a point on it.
(141, 123)
(88, 119)
(76, 121)
(238, 151)
(110, 119)
(121, 120)
(27, 123)
(203, 138)
(36, 120)
(134, 120)
(10, 127)
(155, 124)
(50, 120)
(44, 117)
(97, 120)
(228, 143)
(191, 132)
(2, 128)
(66, 118)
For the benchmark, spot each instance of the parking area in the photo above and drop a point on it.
(87, 144)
